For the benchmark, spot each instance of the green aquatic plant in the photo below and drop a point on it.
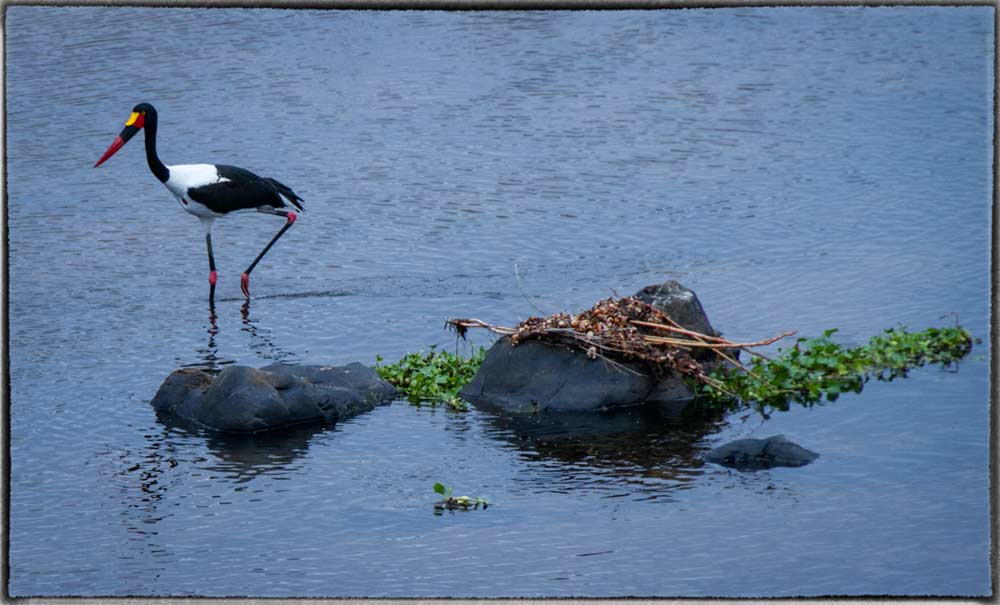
(457, 502)
(432, 378)
(818, 368)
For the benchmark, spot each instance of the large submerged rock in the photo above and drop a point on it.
(754, 454)
(241, 399)
(538, 376)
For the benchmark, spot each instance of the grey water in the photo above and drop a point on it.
(800, 168)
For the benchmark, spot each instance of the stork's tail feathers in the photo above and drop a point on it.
(287, 194)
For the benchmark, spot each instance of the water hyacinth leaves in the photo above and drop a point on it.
(818, 368)
(432, 378)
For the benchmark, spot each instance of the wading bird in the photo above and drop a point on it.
(210, 191)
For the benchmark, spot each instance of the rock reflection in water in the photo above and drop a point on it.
(640, 446)
(242, 457)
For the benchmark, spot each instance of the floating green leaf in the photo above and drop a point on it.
(457, 502)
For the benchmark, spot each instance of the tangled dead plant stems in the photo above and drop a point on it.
(627, 329)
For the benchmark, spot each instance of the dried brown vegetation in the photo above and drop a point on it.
(626, 329)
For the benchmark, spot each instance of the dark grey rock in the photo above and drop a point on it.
(536, 376)
(761, 453)
(241, 399)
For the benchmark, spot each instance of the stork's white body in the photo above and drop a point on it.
(184, 177)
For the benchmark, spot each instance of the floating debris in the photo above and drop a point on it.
(457, 502)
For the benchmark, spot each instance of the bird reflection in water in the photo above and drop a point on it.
(208, 358)
(261, 343)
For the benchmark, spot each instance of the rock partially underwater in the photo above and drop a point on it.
(536, 376)
(752, 454)
(240, 399)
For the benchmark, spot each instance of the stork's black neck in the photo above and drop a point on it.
(155, 165)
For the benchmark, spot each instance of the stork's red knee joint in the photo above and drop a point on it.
(212, 277)
(291, 217)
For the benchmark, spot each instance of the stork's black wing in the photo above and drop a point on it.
(241, 190)
(287, 193)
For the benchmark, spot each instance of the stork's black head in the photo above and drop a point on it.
(144, 109)
(141, 114)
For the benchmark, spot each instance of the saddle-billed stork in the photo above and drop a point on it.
(210, 191)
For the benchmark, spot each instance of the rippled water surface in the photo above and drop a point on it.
(799, 168)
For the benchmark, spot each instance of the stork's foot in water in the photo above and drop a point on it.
(245, 284)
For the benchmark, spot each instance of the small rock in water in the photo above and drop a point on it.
(680, 303)
(761, 453)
